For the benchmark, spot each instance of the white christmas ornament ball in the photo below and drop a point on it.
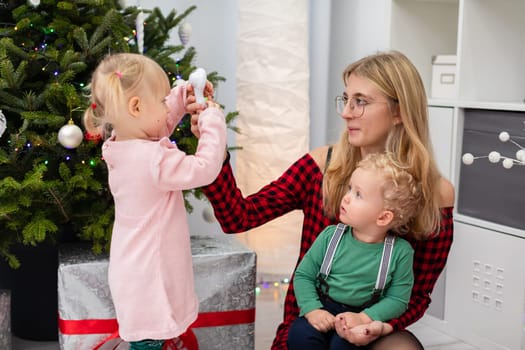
(3, 123)
(467, 158)
(185, 32)
(494, 157)
(507, 163)
(70, 136)
(504, 136)
(208, 216)
(34, 3)
(520, 155)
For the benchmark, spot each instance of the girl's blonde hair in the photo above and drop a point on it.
(401, 192)
(397, 78)
(113, 82)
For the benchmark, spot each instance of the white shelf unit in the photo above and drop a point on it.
(480, 298)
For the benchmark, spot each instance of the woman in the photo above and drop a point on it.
(384, 106)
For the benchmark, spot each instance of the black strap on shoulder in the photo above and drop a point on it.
(328, 157)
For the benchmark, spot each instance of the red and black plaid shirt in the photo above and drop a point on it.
(300, 188)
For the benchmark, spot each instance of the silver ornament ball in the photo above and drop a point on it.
(70, 136)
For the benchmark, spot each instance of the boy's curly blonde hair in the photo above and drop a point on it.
(402, 194)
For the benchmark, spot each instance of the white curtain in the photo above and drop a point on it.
(272, 100)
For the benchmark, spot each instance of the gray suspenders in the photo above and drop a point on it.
(326, 266)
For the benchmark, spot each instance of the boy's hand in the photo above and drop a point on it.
(321, 320)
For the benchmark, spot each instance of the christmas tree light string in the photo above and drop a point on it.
(267, 284)
(496, 157)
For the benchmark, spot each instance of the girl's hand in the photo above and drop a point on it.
(191, 99)
(194, 121)
(194, 108)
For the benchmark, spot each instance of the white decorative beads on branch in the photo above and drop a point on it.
(185, 33)
(495, 157)
(139, 23)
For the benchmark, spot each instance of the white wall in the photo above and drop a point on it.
(214, 37)
(357, 28)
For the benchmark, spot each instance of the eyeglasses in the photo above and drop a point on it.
(356, 105)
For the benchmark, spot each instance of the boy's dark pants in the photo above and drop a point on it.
(303, 336)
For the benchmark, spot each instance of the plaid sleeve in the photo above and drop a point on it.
(299, 187)
(430, 257)
(236, 213)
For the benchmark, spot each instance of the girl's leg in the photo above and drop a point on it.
(147, 344)
(399, 340)
(303, 336)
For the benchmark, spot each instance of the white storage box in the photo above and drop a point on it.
(444, 77)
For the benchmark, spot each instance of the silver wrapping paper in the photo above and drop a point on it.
(225, 273)
(83, 293)
(5, 319)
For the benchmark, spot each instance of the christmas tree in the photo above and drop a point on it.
(48, 49)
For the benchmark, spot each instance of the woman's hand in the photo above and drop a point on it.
(362, 334)
(321, 320)
(352, 319)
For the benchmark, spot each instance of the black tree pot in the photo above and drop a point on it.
(34, 307)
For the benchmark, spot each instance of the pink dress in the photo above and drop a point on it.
(150, 267)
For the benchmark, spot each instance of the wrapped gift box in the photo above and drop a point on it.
(224, 281)
(5, 319)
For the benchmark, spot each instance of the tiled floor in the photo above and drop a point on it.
(269, 298)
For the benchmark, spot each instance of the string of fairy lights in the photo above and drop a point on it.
(263, 285)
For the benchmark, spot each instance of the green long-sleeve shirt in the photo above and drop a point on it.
(354, 273)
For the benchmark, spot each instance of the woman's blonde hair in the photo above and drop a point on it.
(409, 141)
(113, 82)
(401, 192)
